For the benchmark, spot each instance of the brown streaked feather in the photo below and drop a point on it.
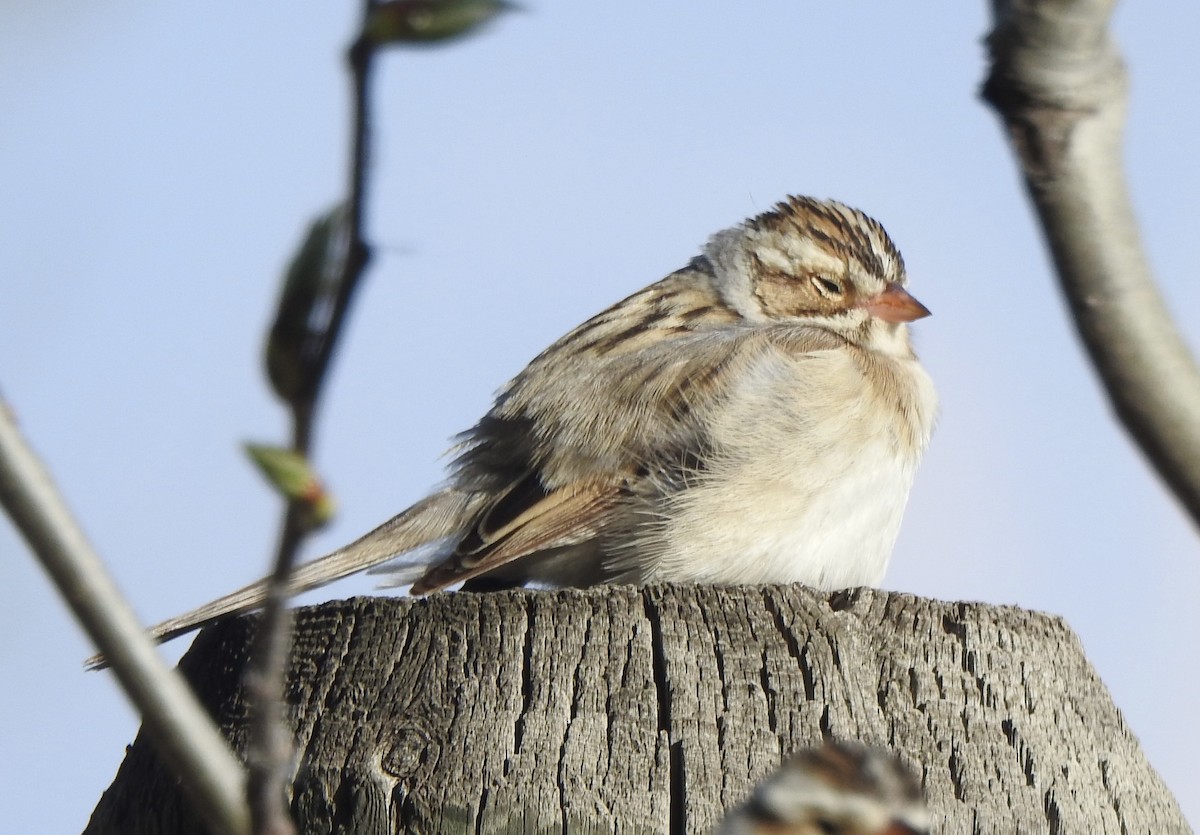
(560, 518)
(553, 417)
(678, 304)
(506, 512)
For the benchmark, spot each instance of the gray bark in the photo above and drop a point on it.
(1058, 82)
(653, 710)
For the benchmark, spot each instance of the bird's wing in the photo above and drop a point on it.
(612, 392)
(445, 513)
(527, 519)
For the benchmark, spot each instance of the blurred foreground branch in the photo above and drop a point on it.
(344, 253)
(1058, 82)
(313, 308)
(179, 728)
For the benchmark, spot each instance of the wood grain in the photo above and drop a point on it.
(653, 710)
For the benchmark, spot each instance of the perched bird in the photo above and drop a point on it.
(840, 789)
(755, 417)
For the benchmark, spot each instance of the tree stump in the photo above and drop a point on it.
(653, 710)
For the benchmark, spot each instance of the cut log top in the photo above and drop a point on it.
(653, 710)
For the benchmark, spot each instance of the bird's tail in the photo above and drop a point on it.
(435, 517)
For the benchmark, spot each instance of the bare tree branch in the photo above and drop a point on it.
(1058, 82)
(269, 754)
(180, 728)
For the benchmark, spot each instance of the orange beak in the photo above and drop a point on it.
(895, 305)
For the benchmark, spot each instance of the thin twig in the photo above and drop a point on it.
(358, 251)
(269, 745)
(269, 751)
(180, 728)
(1058, 82)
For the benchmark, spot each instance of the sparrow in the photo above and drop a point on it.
(839, 789)
(754, 417)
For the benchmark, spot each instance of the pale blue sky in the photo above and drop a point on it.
(158, 163)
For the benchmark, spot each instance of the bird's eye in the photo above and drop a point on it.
(827, 286)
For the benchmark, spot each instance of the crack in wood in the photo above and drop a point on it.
(632, 726)
(677, 820)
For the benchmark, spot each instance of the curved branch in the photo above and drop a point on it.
(1058, 82)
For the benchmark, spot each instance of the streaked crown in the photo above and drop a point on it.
(805, 258)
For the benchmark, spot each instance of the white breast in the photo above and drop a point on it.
(810, 479)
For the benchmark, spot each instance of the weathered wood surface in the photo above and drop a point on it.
(652, 710)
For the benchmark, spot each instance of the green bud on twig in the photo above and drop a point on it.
(292, 477)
